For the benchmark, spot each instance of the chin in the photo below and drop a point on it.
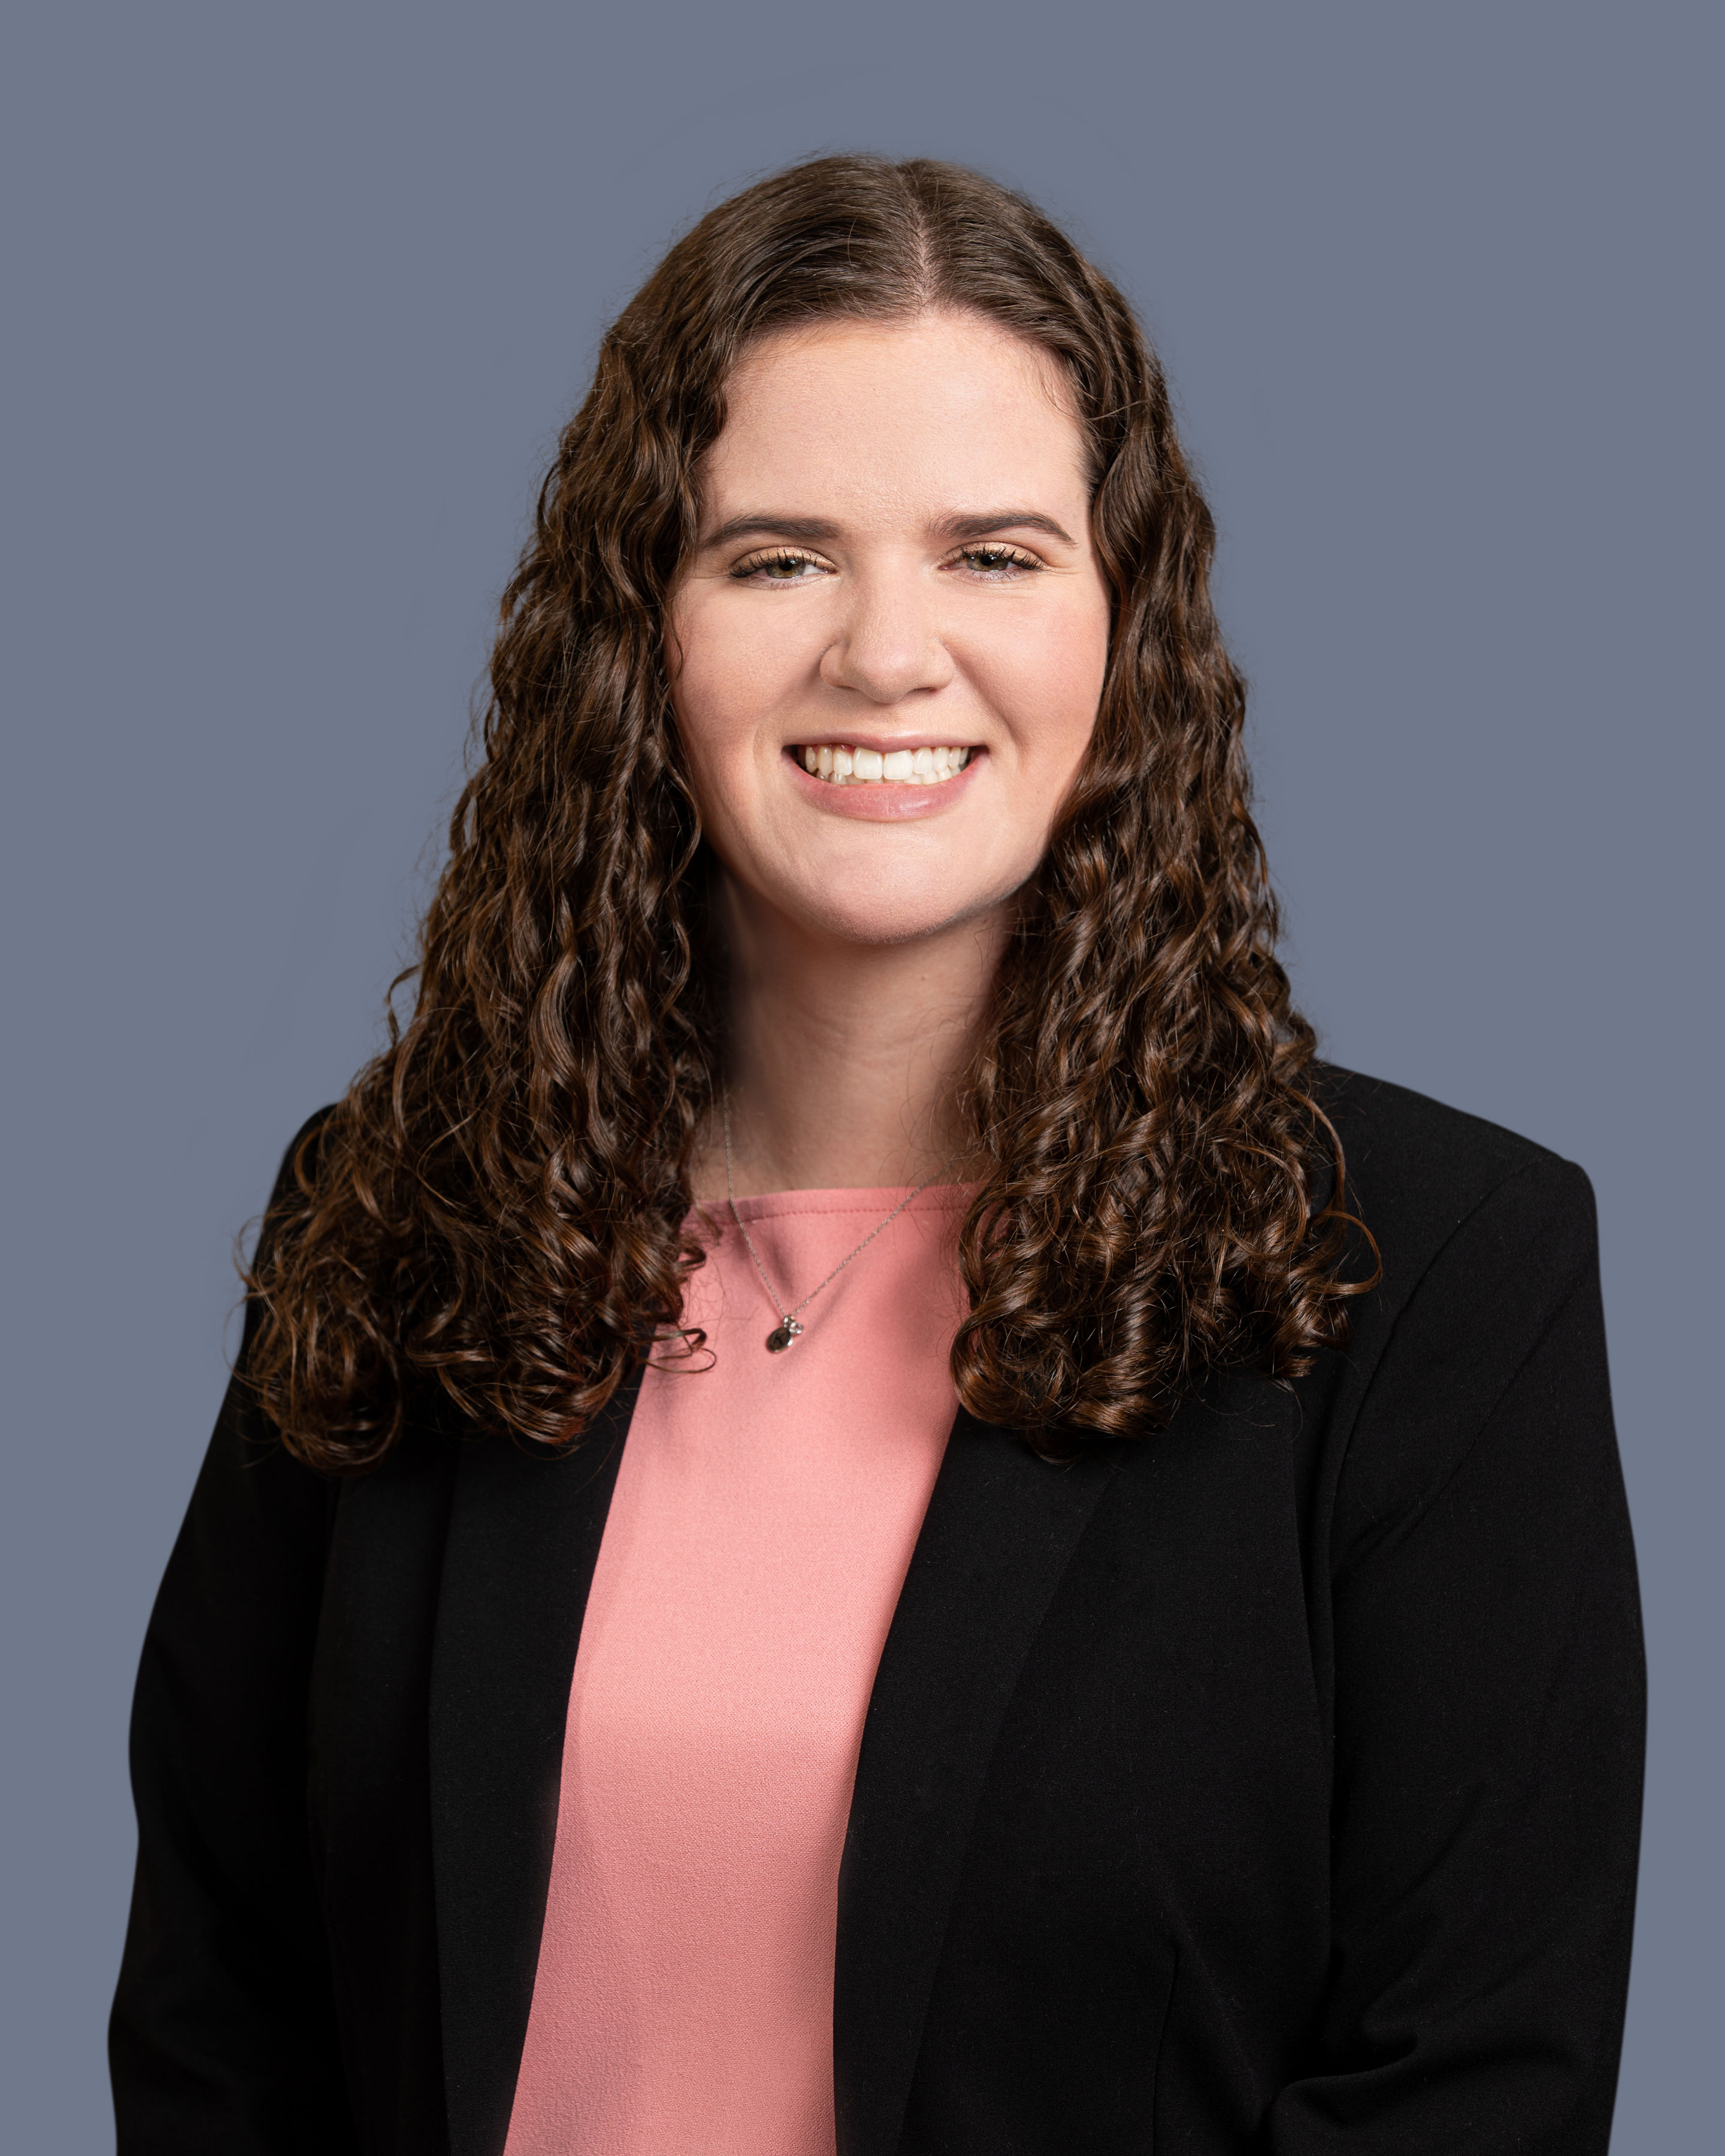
(891, 916)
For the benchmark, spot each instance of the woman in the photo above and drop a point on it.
(835, 1529)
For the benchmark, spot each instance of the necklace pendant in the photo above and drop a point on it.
(781, 1337)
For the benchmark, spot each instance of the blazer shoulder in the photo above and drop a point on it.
(307, 1133)
(1417, 1172)
(269, 1221)
(1488, 1316)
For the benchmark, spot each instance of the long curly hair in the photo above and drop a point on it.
(500, 1204)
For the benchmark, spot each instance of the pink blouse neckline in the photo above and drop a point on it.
(764, 1514)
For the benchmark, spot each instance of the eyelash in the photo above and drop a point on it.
(1000, 557)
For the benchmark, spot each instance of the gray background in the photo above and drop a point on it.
(295, 300)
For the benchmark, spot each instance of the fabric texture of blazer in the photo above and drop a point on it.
(1270, 1783)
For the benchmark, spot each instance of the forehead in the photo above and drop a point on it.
(944, 405)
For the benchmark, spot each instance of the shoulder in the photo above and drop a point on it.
(1423, 1178)
(302, 1146)
(1489, 1291)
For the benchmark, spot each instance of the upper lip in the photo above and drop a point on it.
(887, 743)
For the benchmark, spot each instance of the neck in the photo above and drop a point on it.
(846, 1057)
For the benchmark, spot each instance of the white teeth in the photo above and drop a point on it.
(841, 765)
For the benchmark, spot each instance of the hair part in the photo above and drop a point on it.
(497, 1207)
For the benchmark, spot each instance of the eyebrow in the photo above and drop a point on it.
(811, 530)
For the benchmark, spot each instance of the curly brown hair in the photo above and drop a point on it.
(501, 1204)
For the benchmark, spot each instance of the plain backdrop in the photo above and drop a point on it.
(295, 299)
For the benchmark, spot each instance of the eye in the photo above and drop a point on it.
(780, 565)
(998, 562)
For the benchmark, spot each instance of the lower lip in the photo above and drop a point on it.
(883, 802)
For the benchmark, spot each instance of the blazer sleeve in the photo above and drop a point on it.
(223, 2037)
(1489, 1705)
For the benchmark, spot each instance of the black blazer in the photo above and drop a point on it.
(1270, 1784)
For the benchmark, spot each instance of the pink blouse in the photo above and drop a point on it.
(764, 1516)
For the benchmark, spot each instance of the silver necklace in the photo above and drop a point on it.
(787, 1329)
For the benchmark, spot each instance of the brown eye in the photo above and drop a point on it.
(997, 561)
(775, 568)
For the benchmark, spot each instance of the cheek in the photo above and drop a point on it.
(729, 677)
(707, 683)
(736, 665)
(1046, 681)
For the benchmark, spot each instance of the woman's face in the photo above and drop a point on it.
(895, 580)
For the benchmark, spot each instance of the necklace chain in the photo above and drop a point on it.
(788, 1328)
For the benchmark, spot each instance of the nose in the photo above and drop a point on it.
(888, 645)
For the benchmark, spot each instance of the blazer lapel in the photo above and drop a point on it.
(524, 1530)
(1001, 1525)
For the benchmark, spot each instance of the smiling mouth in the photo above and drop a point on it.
(839, 764)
